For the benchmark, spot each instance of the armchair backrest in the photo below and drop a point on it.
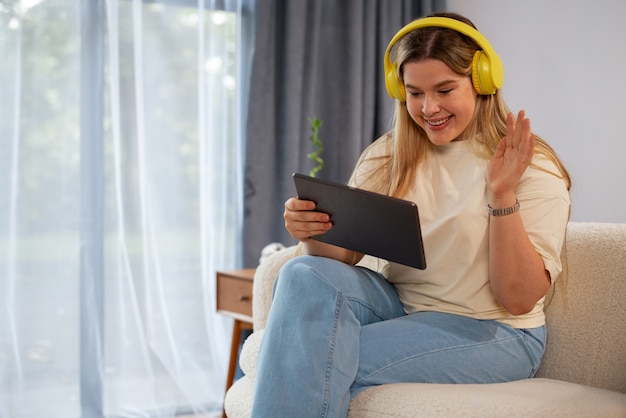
(586, 311)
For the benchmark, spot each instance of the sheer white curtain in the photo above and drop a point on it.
(120, 177)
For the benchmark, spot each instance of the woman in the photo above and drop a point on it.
(494, 204)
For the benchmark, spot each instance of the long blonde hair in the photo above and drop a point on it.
(408, 144)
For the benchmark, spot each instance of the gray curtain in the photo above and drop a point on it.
(314, 59)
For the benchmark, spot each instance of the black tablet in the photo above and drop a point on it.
(367, 222)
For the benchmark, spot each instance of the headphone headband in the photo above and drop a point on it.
(487, 70)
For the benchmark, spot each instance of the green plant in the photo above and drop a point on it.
(315, 156)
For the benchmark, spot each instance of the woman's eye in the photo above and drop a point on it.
(446, 91)
(415, 93)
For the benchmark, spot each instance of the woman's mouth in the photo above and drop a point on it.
(438, 122)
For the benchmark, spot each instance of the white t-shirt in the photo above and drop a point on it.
(451, 194)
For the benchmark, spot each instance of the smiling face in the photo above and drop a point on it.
(439, 100)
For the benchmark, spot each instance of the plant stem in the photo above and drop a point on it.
(315, 156)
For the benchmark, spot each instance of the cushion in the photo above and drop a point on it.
(523, 398)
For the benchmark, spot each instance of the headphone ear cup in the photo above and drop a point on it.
(481, 74)
(395, 88)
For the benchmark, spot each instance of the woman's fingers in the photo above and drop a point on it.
(518, 132)
(302, 221)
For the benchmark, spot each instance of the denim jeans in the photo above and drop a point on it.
(335, 330)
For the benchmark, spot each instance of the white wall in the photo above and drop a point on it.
(565, 63)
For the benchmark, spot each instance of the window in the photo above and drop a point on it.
(120, 170)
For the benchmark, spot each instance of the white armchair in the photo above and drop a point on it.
(583, 373)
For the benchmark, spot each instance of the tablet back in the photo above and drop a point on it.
(367, 222)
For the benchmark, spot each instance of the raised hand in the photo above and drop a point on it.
(511, 158)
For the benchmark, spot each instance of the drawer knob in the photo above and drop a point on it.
(245, 298)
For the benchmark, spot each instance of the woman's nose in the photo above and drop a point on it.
(430, 106)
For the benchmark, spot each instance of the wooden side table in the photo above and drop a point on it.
(234, 299)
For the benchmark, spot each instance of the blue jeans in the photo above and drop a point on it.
(335, 330)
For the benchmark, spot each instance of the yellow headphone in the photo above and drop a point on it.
(487, 71)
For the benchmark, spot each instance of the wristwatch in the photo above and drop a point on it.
(504, 211)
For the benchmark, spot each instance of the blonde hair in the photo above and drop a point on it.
(408, 144)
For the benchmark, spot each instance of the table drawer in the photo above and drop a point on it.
(234, 294)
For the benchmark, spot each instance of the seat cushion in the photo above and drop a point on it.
(531, 398)
(524, 398)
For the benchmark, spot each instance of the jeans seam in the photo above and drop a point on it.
(458, 347)
(331, 351)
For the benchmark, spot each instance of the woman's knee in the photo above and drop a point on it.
(304, 274)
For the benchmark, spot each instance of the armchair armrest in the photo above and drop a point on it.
(263, 285)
